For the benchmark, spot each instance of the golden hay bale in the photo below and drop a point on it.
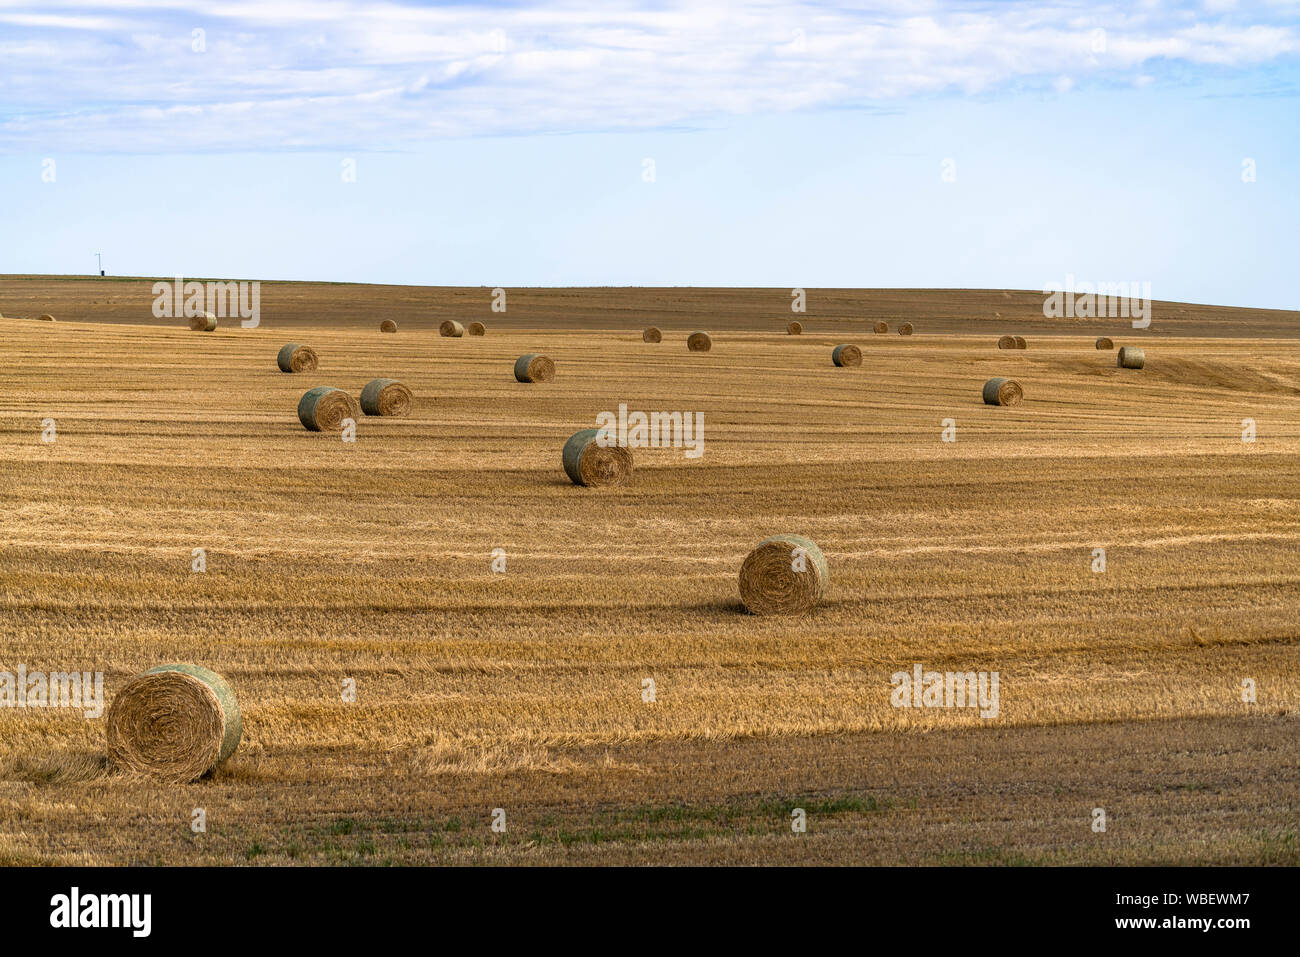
(1007, 342)
(783, 575)
(477, 329)
(324, 408)
(1002, 392)
(206, 322)
(296, 358)
(794, 328)
(174, 722)
(651, 334)
(905, 329)
(882, 327)
(385, 397)
(451, 329)
(586, 462)
(846, 356)
(388, 326)
(46, 317)
(699, 342)
(1020, 342)
(534, 367)
(1131, 357)
(1105, 343)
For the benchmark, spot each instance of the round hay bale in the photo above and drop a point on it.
(1002, 392)
(386, 397)
(846, 356)
(783, 575)
(794, 328)
(651, 334)
(534, 367)
(586, 462)
(1020, 342)
(1007, 342)
(206, 322)
(699, 342)
(46, 317)
(1105, 343)
(388, 326)
(905, 329)
(174, 722)
(1131, 357)
(451, 329)
(882, 327)
(324, 408)
(477, 329)
(296, 358)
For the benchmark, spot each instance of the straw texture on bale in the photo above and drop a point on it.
(882, 327)
(324, 408)
(651, 334)
(206, 322)
(385, 397)
(1007, 342)
(905, 329)
(451, 329)
(174, 722)
(477, 329)
(534, 367)
(586, 462)
(1131, 357)
(794, 329)
(1105, 343)
(1020, 342)
(846, 356)
(699, 342)
(778, 579)
(388, 326)
(1002, 392)
(296, 358)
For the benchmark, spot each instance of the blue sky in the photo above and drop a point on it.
(895, 144)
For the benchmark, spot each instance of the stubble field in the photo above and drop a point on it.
(523, 690)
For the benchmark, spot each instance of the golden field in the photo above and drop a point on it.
(476, 690)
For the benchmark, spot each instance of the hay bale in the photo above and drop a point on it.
(905, 329)
(778, 579)
(206, 322)
(477, 329)
(388, 326)
(1002, 392)
(586, 462)
(1007, 342)
(46, 317)
(451, 329)
(174, 722)
(1131, 357)
(534, 367)
(296, 358)
(882, 327)
(699, 342)
(651, 334)
(386, 397)
(846, 356)
(1020, 342)
(795, 328)
(324, 408)
(1105, 343)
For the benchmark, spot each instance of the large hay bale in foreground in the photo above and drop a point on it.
(451, 329)
(205, 322)
(296, 358)
(174, 722)
(846, 356)
(534, 367)
(586, 462)
(1007, 342)
(1020, 342)
(651, 334)
(1105, 343)
(881, 327)
(1131, 357)
(388, 326)
(783, 575)
(477, 329)
(1002, 392)
(386, 397)
(905, 329)
(699, 342)
(324, 408)
(795, 328)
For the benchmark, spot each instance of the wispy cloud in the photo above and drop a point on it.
(133, 75)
